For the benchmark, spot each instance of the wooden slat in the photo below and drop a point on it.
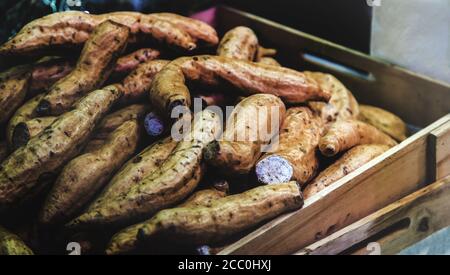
(394, 227)
(391, 176)
(440, 151)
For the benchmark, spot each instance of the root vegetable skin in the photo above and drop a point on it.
(83, 176)
(94, 66)
(45, 74)
(176, 178)
(14, 85)
(298, 141)
(129, 62)
(126, 240)
(72, 28)
(223, 218)
(240, 43)
(264, 52)
(25, 131)
(136, 169)
(384, 121)
(344, 135)
(342, 104)
(269, 61)
(138, 83)
(197, 29)
(243, 139)
(23, 114)
(349, 162)
(21, 172)
(11, 244)
(169, 89)
(114, 120)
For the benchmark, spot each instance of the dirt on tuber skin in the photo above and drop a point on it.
(221, 219)
(71, 29)
(21, 172)
(298, 142)
(346, 134)
(126, 240)
(239, 43)
(243, 139)
(173, 181)
(349, 162)
(86, 174)
(94, 66)
(169, 88)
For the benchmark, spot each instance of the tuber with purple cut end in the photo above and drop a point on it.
(153, 124)
(294, 157)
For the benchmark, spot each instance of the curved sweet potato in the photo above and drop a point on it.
(346, 134)
(384, 121)
(295, 156)
(23, 171)
(240, 43)
(213, 223)
(169, 90)
(94, 66)
(175, 179)
(349, 162)
(86, 174)
(252, 124)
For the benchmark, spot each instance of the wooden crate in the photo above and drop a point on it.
(423, 158)
(393, 228)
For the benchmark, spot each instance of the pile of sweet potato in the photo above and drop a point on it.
(87, 150)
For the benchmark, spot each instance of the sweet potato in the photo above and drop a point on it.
(126, 240)
(46, 73)
(209, 224)
(295, 156)
(23, 114)
(349, 162)
(131, 61)
(86, 174)
(213, 99)
(11, 244)
(269, 61)
(24, 131)
(14, 85)
(69, 29)
(175, 179)
(384, 121)
(4, 151)
(346, 134)
(24, 170)
(94, 66)
(198, 30)
(112, 121)
(240, 43)
(136, 169)
(342, 104)
(139, 81)
(169, 90)
(252, 124)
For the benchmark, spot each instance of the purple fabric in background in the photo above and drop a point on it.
(207, 16)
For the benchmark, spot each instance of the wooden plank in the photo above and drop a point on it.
(394, 227)
(440, 151)
(389, 177)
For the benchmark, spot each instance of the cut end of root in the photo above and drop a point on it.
(153, 125)
(21, 135)
(211, 150)
(44, 108)
(274, 169)
(329, 150)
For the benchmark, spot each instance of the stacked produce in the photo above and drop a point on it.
(88, 146)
